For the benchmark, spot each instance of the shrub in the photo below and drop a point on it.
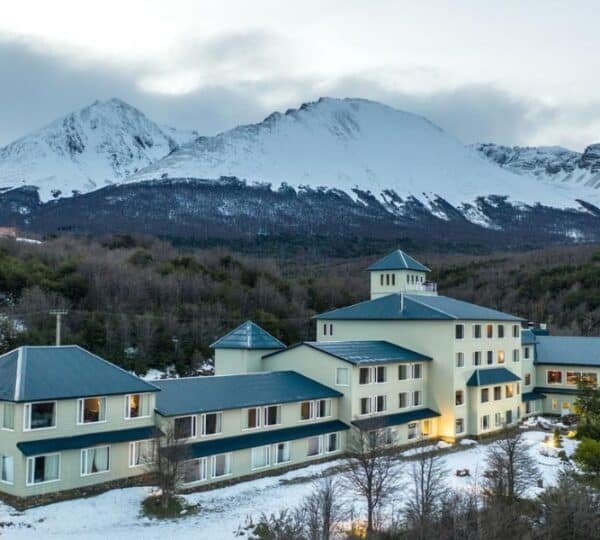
(587, 456)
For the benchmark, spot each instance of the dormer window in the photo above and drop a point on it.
(393, 279)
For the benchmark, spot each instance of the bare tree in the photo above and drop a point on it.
(323, 508)
(168, 465)
(511, 470)
(427, 492)
(371, 471)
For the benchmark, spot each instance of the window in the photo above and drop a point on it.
(91, 410)
(527, 379)
(364, 375)
(314, 446)
(555, 404)
(365, 405)
(272, 415)
(417, 398)
(42, 469)
(194, 470)
(380, 403)
(459, 425)
(526, 353)
(501, 357)
(485, 395)
(8, 416)
(40, 415)
(387, 279)
(509, 419)
(331, 329)
(590, 378)
(573, 377)
(141, 453)
(497, 393)
(342, 376)
(477, 358)
(498, 420)
(7, 469)
(407, 278)
(459, 331)
(252, 418)
(417, 371)
(184, 427)
(281, 452)
(459, 397)
(95, 460)
(485, 422)
(402, 400)
(323, 408)
(515, 355)
(137, 406)
(518, 386)
(381, 279)
(402, 372)
(566, 405)
(306, 410)
(509, 391)
(490, 357)
(426, 428)
(393, 279)
(460, 359)
(476, 331)
(379, 374)
(489, 330)
(554, 377)
(500, 330)
(518, 412)
(260, 457)
(325, 329)
(332, 442)
(221, 465)
(412, 430)
(211, 423)
(528, 407)
(516, 329)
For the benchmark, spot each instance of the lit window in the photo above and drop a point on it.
(137, 406)
(508, 391)
(590, 378)
(92, 410)
(554, 377)
(501, 357)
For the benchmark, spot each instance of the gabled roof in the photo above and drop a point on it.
(567, 350)
(68, 371)
(362, 352)
(261, 438)
(398, 260)
(46, 446)
(485, 377)
(400, 306)
(382, 421)
(191, 395)
(248, 336)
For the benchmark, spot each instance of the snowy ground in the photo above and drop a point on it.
(116, 514)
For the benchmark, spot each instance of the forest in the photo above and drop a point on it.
(144, 303)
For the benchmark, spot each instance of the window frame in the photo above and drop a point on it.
(461, 356)
(219, 423)
(82, 460)
(337, 377)
(133, 453)
(80, 410)
(31, 460)
(560, 382)
(458, 393)
(459, 331)
(275, 452)
(194, 429)
(11, 406)
(258, 414)
(266, 408)
(202, 466)
(27, 410)
(143, 397)
(228, 461)
(12, 469)
(266, 449)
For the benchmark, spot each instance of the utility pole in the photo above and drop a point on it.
(58, 313)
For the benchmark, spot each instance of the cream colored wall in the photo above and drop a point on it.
(528, 367)
(235, 361)
(401, 285)
(66, 426)
(504, 404)
(561, 399)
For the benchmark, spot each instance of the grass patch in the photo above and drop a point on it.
(152, 507)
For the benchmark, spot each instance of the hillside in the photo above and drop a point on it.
(130, 297)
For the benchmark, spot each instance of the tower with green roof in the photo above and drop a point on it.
(242, 349)
(398, 272)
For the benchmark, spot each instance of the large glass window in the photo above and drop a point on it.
(7, 469)
(8, 416)
(459, 331)
(42, 469)
(95, 460)
(184, 427)
(141, 453)
(554, 377)
(194, 470)
(92, 410)
(314, 446)
(282, 452)
(272, 415)
(485, 395)
(260, 457)
(252, 418)
(211, 423)
(137, 406)
(221, 465)
(40, 415)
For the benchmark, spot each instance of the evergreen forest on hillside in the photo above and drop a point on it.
(145, 303)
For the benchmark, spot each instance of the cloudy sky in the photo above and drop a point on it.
(515, 72)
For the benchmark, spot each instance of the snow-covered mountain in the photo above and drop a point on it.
(87, 149)
(552, 164)
(349, 143)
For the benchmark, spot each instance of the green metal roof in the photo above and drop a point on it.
(262, 438)
(379, 422)
(485, 377)
(400, 306)
(248, 336)
(68, 371)
(532, 396)
(398, 260)
(192, 395)
(362, 352)
(46, 446)
(568, 351)
(555, 390)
